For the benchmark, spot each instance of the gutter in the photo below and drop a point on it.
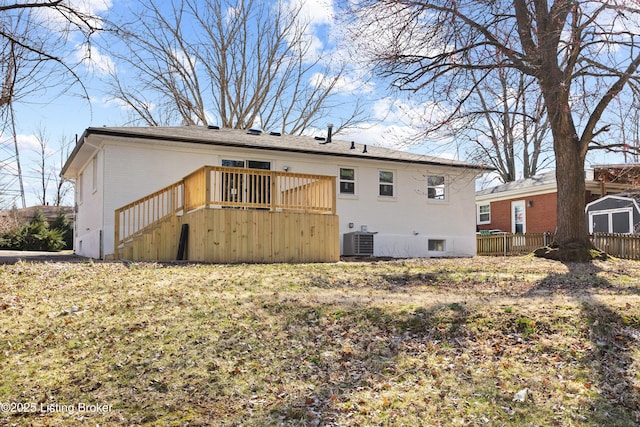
(74, 152)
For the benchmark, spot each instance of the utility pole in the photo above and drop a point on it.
(17, 151)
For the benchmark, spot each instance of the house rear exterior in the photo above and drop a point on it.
(410, 205)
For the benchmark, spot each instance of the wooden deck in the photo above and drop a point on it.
(234, 215)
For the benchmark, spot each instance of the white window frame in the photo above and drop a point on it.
(391, 184)
(609, 213)
(521, 206)
(479, 213)
(354, 181)
(442, 186)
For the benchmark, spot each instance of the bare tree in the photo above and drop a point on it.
(41, 165)
(582, 54)
(626, 127)
(508, 125)
(236, 63)
(62, 186)
(34, 47)
(34, 34)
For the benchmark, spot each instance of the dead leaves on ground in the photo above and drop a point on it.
(409, 342)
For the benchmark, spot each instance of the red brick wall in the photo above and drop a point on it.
(540, 216)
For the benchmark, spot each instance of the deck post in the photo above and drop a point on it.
(333, 195)
(207, 186)
(116, 235)
(273, 191)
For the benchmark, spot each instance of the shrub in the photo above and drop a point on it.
(34, 236)
(63, 224)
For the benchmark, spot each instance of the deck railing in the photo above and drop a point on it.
(220, 187)
(135, 218)
(216, 186)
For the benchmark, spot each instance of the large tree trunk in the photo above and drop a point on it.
(572, 236)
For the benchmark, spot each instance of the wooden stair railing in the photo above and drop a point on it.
(218, 186)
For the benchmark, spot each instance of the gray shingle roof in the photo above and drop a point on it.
(528, 183)
(267, 141)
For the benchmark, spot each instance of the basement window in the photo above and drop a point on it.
(436, 245)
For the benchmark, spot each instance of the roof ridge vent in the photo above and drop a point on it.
(319, 138)
(275, 134)
(254, 131)
(214, 127)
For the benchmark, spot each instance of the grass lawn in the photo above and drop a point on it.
(485, 341)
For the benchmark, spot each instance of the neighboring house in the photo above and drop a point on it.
(618, 213)
(412, 205)
(530, 205)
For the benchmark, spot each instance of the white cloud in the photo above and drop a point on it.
(400, 124)
(55, 20)
(349, 84)
(95, 61)
(27, 142)
(408, 112)
(316, 17)
(381, 134)
(315, 12)
(109, 102)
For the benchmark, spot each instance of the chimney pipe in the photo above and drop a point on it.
(353, 145)
(365, 148)
(329, 131)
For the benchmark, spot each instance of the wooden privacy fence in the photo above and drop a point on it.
(511, 244)
(618, 245)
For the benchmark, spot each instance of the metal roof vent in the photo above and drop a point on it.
(214, 127)
(326, 140)
(275, 134)
(364, 150)
(353, 145)
(253, 131)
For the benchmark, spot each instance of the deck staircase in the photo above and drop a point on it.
(233, 215)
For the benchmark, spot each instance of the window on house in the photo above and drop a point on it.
(484, 214)
(386, 183)
(347, 181)
(436, 245)
(435, 187)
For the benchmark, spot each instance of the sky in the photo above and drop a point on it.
(64, 116)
